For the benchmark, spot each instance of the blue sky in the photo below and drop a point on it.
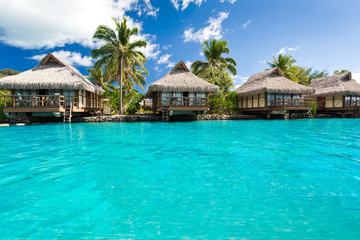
(323, 34)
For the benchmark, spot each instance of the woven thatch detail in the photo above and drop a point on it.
(340, 84)
(271, 81)
(50, 73)
(181, 79)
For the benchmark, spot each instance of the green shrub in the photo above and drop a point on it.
(3, 117)
(133, 100)
(313, 109)
(221, 103)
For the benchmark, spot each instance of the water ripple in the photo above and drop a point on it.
(192, 180)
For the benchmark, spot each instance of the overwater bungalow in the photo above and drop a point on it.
(269, 93)
(337, 94)
(51, 89)
(180, 92)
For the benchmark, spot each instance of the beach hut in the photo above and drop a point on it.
(180, 92)
(51, 89)
(146, 104)
(269, 93)
(337, 94)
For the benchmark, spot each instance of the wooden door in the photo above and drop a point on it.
(321, 102)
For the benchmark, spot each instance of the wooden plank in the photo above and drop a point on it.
(32, 109)
(275, 108)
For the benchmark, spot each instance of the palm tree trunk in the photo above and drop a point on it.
(121, 84)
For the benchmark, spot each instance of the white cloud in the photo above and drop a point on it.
(284, 50)
(185, 3)
(293, 49)
(157, 69)
(152, 50)
(239, 80)
(167, 47)
(71, 58)
(48, 24)
(356, 76)
(231, 1)
(165, 59)
(188, 64)
(176, 4)
(261, 61)
(246, 24)
(213, 30)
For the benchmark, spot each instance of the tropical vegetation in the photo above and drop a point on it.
(218, 70)
(213, 51)
(294, 72)
(4, 73)
(119, 59)
(224, 102)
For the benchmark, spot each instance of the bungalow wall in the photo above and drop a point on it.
(334, 102)
(180, 98)
(253, 101)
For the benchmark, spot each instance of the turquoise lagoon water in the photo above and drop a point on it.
(192, 180)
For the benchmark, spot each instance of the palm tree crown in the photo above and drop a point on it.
(213, 51)
(283, 62)
(118, 51)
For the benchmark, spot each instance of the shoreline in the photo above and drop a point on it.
(21, 121)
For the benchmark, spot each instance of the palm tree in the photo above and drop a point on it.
(134, 75)
(298, 75)
(312, 74)
(283, 62)
(213, 51)
(97, 76)
(117, 51)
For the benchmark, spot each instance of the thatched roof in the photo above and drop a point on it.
(146, 103)
(181, 79)
(50, 73)
(271, 81)
(340, 84)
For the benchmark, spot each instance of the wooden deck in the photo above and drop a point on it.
(277, 108)
(284, 104)
(47, 103)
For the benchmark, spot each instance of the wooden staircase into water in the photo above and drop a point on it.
(356, 111)
(68, 113)
(165, 114)
(309, 114)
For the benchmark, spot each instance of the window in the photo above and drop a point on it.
(279, 99)
(347, 101)
(352, 101)
(287, 101)
(271, 99)
(68, 94)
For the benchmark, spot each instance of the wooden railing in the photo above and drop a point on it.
(94, 102)
(290, 102)
(184, 101)
(51, 101)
